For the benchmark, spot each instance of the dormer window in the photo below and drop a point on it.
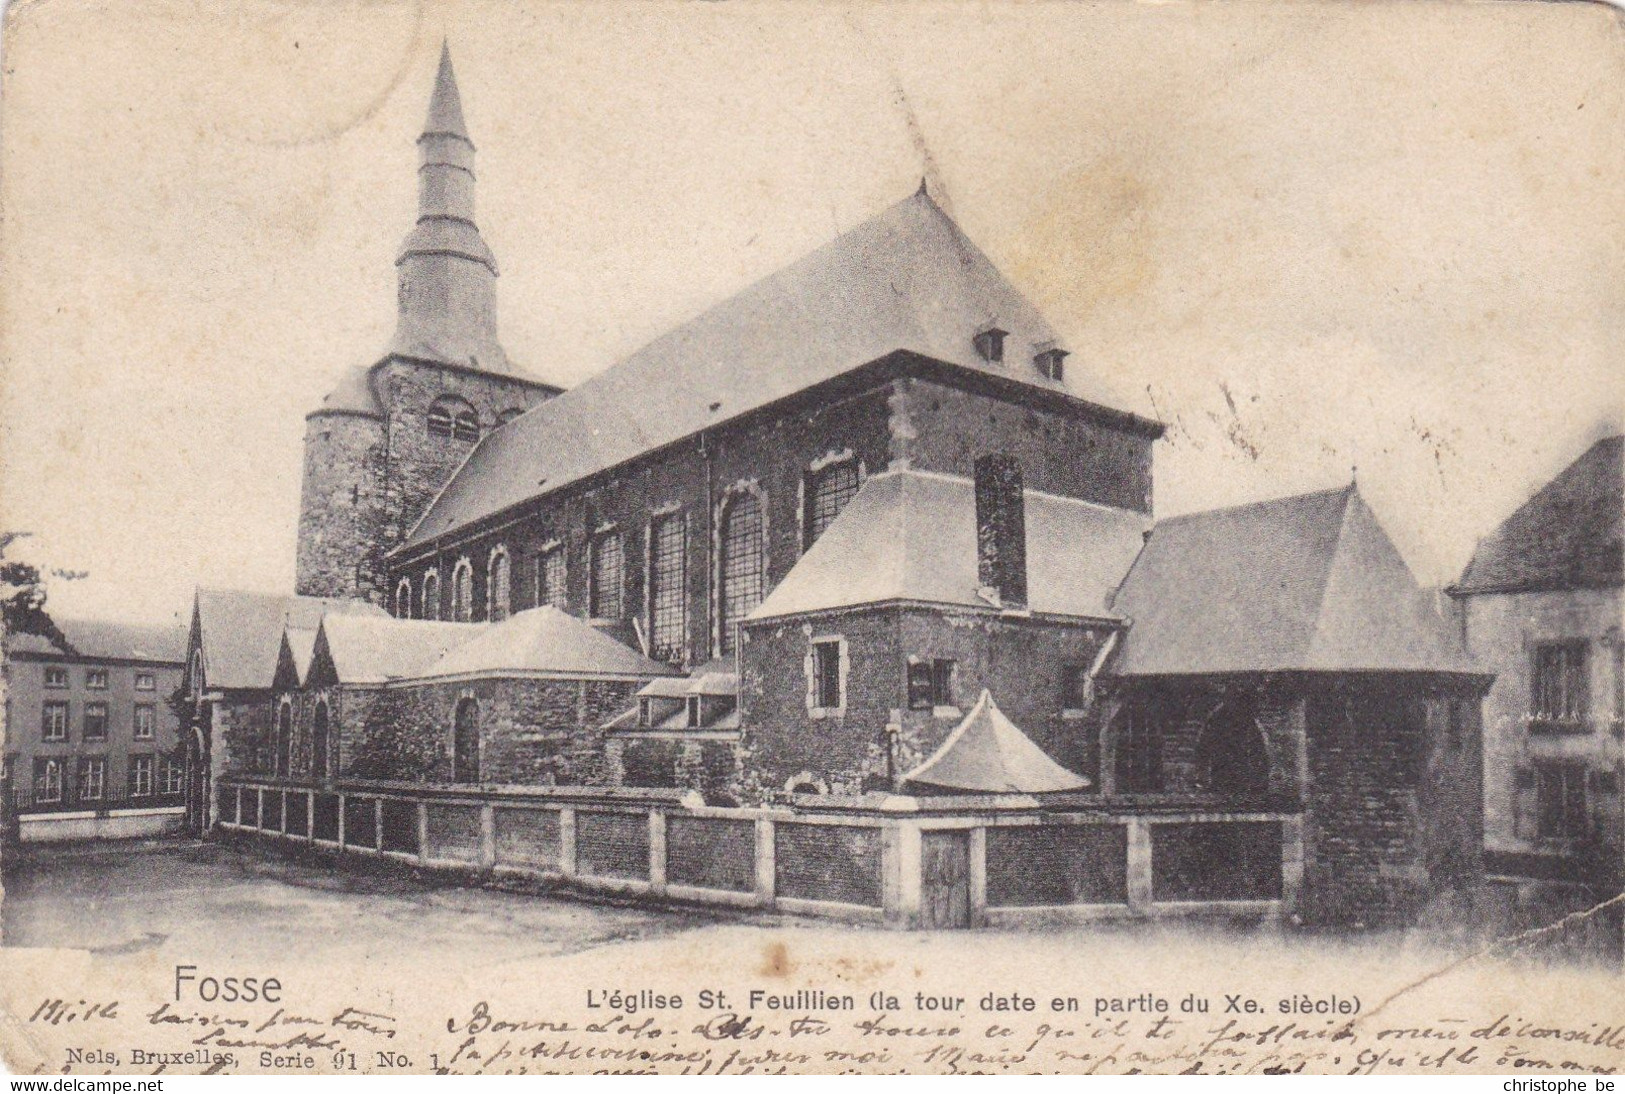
(990, 345)
(1050, 363)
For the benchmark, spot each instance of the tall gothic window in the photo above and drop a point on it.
(742, 564)
(403, 599)
(608, 577)
(496, 586)
(668, 607)
(828, 491)
(462, 591)
(431, 595)
(551, 584)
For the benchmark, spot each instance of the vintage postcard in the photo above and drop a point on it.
(813, 538)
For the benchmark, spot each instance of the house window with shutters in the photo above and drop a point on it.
(608, 577)
(551, 585)
(828, 489)
(1560, 802)
(497, 593)
(742, 561)
(1559, 693)
(668, 606)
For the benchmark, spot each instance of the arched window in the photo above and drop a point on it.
(509, 415)
(462, 591)
(465, 742)
(668, 597)
(318, 741)
(450, 416)
(497, 586)
(742, 565)
(431, 595)
(552, 588)
(403, 599)
(1231, 757)
(284, 736)
(197, 675)
(608, 577)
(828, 490)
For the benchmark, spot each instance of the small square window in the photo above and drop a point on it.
(96, 678)
(146, 681)
(145, 719)
(56, 676)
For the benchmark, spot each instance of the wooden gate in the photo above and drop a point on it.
(945, 879)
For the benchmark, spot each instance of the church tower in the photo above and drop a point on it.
(390, 435)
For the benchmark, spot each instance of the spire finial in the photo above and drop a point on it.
(923, 191)
(446, 105)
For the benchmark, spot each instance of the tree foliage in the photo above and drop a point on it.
(23, 594)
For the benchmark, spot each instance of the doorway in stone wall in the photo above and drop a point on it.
(465, 742)
(945, 879)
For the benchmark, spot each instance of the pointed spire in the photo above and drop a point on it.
(446, 105)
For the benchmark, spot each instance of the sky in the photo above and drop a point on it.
(1318, 240)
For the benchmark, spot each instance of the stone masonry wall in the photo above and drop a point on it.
(367, 480)
(1022, 661)
(532, 731)
(905, 423)
(1391, 822)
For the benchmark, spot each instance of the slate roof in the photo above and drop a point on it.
(241, 633)
(907, 279)
(358, 649)
(1570, 535)
(106, 640)
(1305, 583)
(544, 640)
(911, 535)
(987, 753)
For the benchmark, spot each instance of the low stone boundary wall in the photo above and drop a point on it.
(904, 862)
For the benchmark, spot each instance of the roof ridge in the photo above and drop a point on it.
(1350, 487)
(1339, 547)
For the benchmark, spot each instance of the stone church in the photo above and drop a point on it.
(863, 533)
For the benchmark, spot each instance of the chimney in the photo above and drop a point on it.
(1001, 529)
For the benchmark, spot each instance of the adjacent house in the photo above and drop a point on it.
(92, 745)
(1540, 604)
